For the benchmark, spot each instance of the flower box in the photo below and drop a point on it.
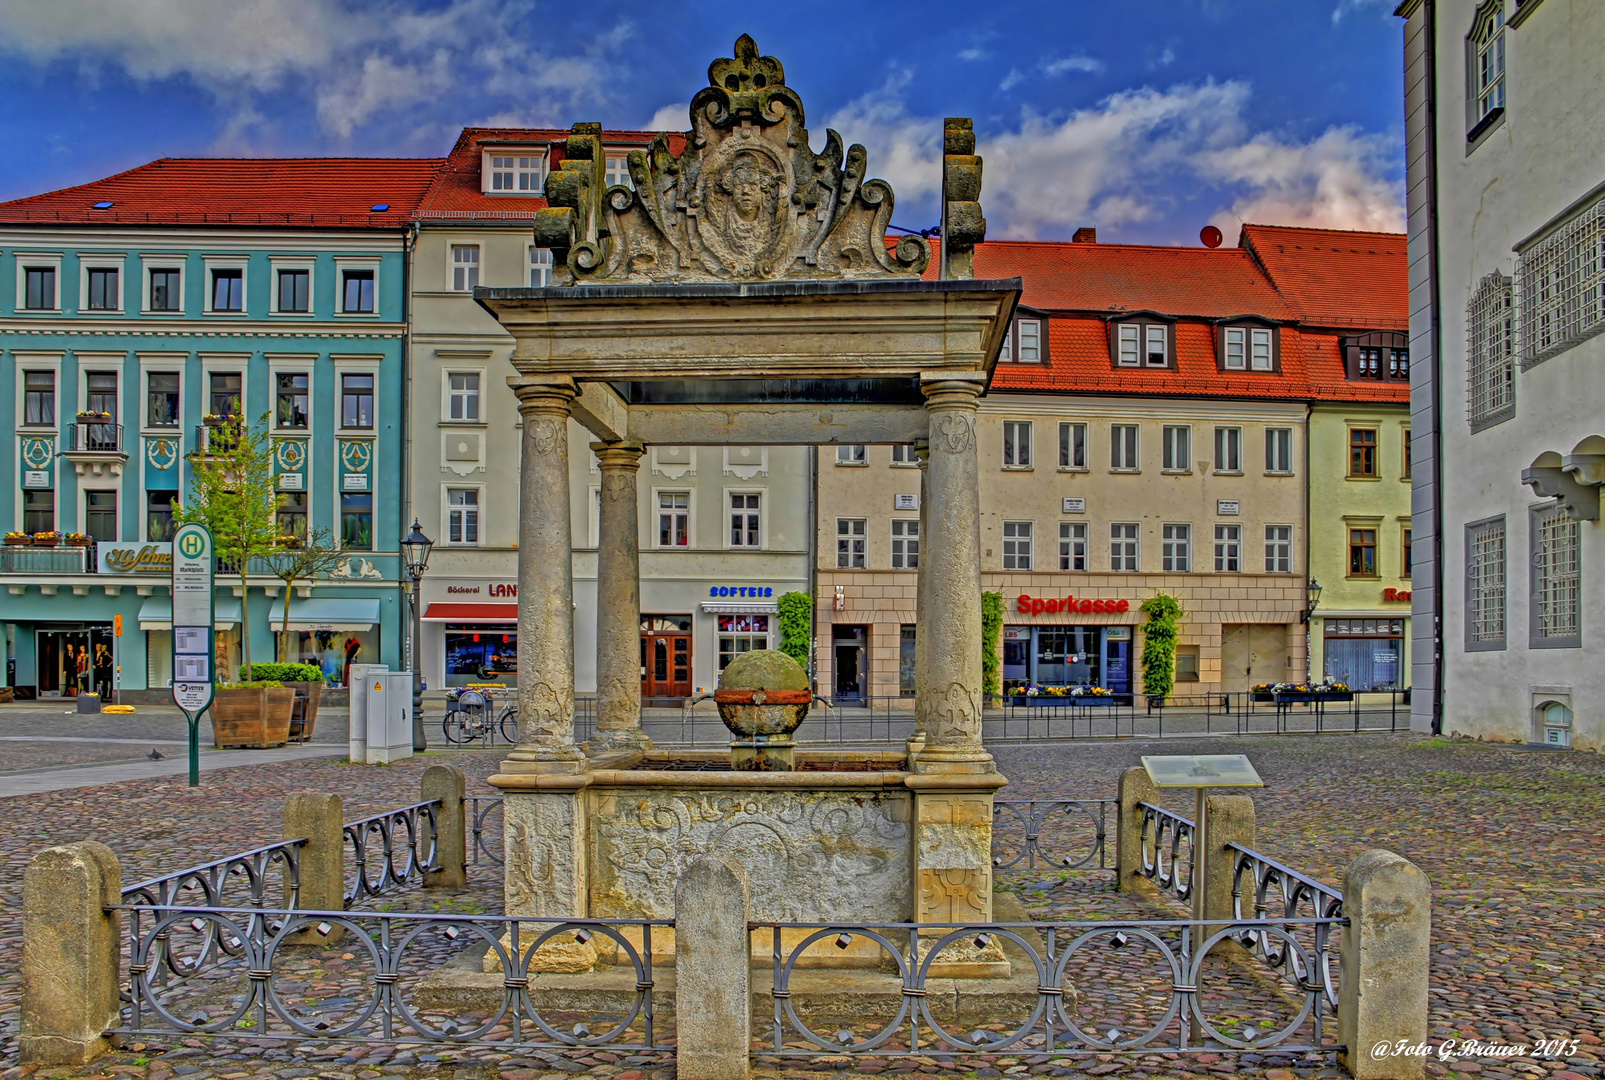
(256, 717)
(79, 540)
(46, 539)
(94, 417)
(1307, 697)
(19, 541)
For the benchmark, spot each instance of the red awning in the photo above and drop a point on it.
(471, 613)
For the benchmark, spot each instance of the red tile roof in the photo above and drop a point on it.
(1333, 278)
(315, 192)
(457, 191)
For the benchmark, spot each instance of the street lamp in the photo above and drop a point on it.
(1312, 597)
(415, 551)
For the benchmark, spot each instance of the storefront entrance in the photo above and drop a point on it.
(1252, 654)
(850, 653)
(665, 656)
(75, 661)
(1067, 656)
(1366, 654)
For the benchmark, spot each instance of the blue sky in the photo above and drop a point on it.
(1145, 118)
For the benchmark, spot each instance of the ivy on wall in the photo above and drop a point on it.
(991, 644)
(1159, 635)
(796, 625)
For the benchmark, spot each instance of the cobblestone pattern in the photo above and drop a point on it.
(1506, 836)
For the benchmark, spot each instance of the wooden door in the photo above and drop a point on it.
(1252, 653)
(665, 665)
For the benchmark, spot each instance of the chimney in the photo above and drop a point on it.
(1084, 235)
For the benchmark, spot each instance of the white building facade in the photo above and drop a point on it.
(1507, 249)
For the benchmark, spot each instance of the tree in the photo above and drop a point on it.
(231, 493)
(796, 626)
(300, 558)
(991, 642)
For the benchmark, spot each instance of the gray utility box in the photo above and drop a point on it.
(357, 690)
(389, 695)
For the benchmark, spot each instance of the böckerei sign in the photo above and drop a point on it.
(1037, 605)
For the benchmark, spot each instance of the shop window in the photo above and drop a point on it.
(1228, 549)
(159, 516)
(1072, 545)
(291, 390)
(905, 660)
(1366, 654)
(1123, 548)
(1178, 448)
(356, 401)
(674, 519)
(1017, 545)
(852, 454)
(356, 520)
(1362, 452)
(100, 516)
(1362, 553)
(1186, 663)
(1072, 446)
(739, 634)
(291, 514)
(1176, 548)
(905, 544)
(464, 396)
(161, 399)
(462, 515)
(851, 540)
(486, 653)
(744, 519)
(38, 511)
(39, 390)
(1278, 549)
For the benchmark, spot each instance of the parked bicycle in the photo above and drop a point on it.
(471, 715)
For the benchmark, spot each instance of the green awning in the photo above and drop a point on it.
(334, 613)
(156, 613)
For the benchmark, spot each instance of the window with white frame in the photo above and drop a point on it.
(540, 267)
(1247, 348)
(105, 293)
(1488, 61)
(462, 515)
(1072, 446)
(1278, 549)
(1176, 548)
(228, 289)
(618, 169)
(1556, 580)
(1030, 340)
(39, 287)
(1123, 548)
(744, 519)
(1490, 363)
(903, 454)
(1563, 285)
(851, 543)
(1128, 345)
(516, 174)
(1259, 350)
(1123, 447)
(1228, 549)
(905, 544)
(1154, 351)
(1016, 444)
(166, 288)
(1228, 449)
(852, 454)
(463, 396)
(1485, 584)
(464, 267)
(1279, 450)
(1177, 441)
(674, 519)
(1072, 545)
(357, 292)
(1017, 545)
(294, 292)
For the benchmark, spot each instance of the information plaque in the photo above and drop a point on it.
(194, 571)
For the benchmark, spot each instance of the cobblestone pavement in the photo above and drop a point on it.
(1507, 837)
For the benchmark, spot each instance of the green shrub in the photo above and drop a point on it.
(252, 684)
(286, 672)
(991, 644)
(1159, 635)
(796, 625)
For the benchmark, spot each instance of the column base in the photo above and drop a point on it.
(545, 760)
(616, 739)
(946, 759)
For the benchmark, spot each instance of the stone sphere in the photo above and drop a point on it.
(763, 692)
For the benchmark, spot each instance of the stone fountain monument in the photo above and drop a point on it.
(744, 291)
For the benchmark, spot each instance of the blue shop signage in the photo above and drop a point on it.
(741, 590)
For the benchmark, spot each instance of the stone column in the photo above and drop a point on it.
(618, 604)
(1135, 789)
(948, 696)
(916, 742)
(448, 784)
(318, 817)
(713, 969)
(1385, 952)
(70, 938)
(545, 583)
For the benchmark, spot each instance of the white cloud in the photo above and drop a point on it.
(1132, 158)
(1011, 80)
(356, 61)
(671, 118)
(1349, 7)
(1166, 58)
(1074, 63)
(974, 54)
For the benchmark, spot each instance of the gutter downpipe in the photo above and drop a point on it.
(407, 246)
(1309, 549)
(813, 563)
(1431, 47)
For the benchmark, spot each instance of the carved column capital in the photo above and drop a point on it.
(618, 455)
(547, 393)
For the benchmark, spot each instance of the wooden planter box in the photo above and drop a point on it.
(254, 717)
(46, 543)
(78, 543)
(19, 541)
(305, 716)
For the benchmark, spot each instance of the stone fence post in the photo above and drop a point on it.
(70, 942)
(447, 783)
(1135, 787)
(713, 972)
(1382, 995)
(320, 818)
(1230, 820)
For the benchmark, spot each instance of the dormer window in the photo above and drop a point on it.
(1142, 341)
(1244, 346)
(1027, 340)
(1376, 357)
(509, 173)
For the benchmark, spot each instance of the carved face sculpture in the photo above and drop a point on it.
(749, 181)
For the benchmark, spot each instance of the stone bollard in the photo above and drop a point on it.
(69, 953)
(1135, 787)
(1230, 821)
(1382, 994)
(320, 818)
(447, 783)
(713, 991)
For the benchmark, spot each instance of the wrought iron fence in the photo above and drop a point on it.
(209, 883)
(260, 987)
(1165, 835)
(376, 838)
(1279, 891)
(1175, 993)
(1076, 833)
(481, 808)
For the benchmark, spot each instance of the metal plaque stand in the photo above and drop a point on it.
(194, 652)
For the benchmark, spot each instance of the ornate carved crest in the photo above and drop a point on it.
(747, 200)
(161, 452)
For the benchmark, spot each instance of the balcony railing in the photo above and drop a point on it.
(95, 437)
(43, 560)
(225, 435)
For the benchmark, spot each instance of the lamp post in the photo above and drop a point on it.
(415, 551)
(1312, 597)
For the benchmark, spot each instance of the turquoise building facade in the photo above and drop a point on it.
(125, 346)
